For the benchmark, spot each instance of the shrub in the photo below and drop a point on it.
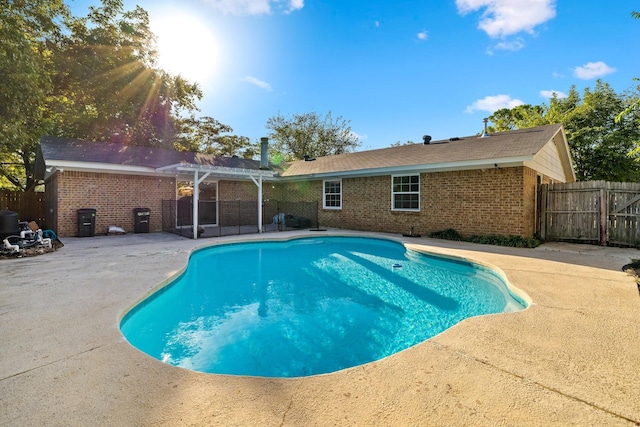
(492, 239)
(448, 234)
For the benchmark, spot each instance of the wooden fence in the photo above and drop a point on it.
(597, 212)
(29, 206)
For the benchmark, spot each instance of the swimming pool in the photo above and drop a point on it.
(308, 306)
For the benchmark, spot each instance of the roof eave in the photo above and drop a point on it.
(176, 169)
(61, 165)
(435, 167)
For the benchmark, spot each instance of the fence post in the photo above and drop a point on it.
(543, 211)
(604, 217)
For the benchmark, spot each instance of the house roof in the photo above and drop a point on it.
(75, 150)
(57, 153)
(503, 148)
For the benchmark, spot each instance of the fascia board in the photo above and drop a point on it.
(436, 167)
(565, 154)
(100, 167)
(62, 165)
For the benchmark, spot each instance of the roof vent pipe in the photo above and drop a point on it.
(485, 133)
(426, 139)
(264, 153)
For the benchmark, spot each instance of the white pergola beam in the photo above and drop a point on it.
(196, 199)
(259, 184)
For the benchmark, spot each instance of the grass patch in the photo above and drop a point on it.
(512, 241)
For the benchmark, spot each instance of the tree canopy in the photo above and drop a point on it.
(635, 104)
(207, 135)
(106, 86)
(95, 78)
(309, 134)
(601, 146)
(25, 84)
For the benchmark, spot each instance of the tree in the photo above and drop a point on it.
(107, 86)
(94, 78)
(204, 134)
(309, 134)
(600, 145)
(516, 118)
(399, 144)
(25, 84)
(635, 104)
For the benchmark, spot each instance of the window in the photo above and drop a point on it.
(332, 194)
(405, 193)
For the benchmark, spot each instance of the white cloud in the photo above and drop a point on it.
(294, 5)
(513, 45)
(493, 103)
(549, 94)
(423, 35)
(505, 17)
(592, 70)
(260, 83)
(254, 7)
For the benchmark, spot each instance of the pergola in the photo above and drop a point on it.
(199, 173)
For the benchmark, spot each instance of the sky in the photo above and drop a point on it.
(396, 70)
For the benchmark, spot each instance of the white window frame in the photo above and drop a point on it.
(325, 194)
(409, 192)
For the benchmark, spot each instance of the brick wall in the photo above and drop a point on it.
(493, 201)
(475, 201)
(114, 196)
(300, 191)
(246, 190)
(237, 190)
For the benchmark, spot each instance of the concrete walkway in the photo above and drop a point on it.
(571, 358)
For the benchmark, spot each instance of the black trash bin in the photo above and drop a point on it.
(86, 222)
(141, 218)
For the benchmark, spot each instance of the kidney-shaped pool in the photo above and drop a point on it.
(308, 306)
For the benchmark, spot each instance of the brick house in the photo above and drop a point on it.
(115, 179)
(475, 185)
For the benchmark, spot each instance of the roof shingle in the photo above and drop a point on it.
(502, 145)
(75, 150)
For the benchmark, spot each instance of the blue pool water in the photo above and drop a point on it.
(308, 306)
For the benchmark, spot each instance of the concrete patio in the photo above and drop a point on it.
(571, 358)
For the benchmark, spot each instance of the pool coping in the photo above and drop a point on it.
(570, 358)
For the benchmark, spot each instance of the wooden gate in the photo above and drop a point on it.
(597, 212)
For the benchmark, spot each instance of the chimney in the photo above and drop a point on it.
(485, 133)
(264, 153)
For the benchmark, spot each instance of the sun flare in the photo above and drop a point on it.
(186, 46)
